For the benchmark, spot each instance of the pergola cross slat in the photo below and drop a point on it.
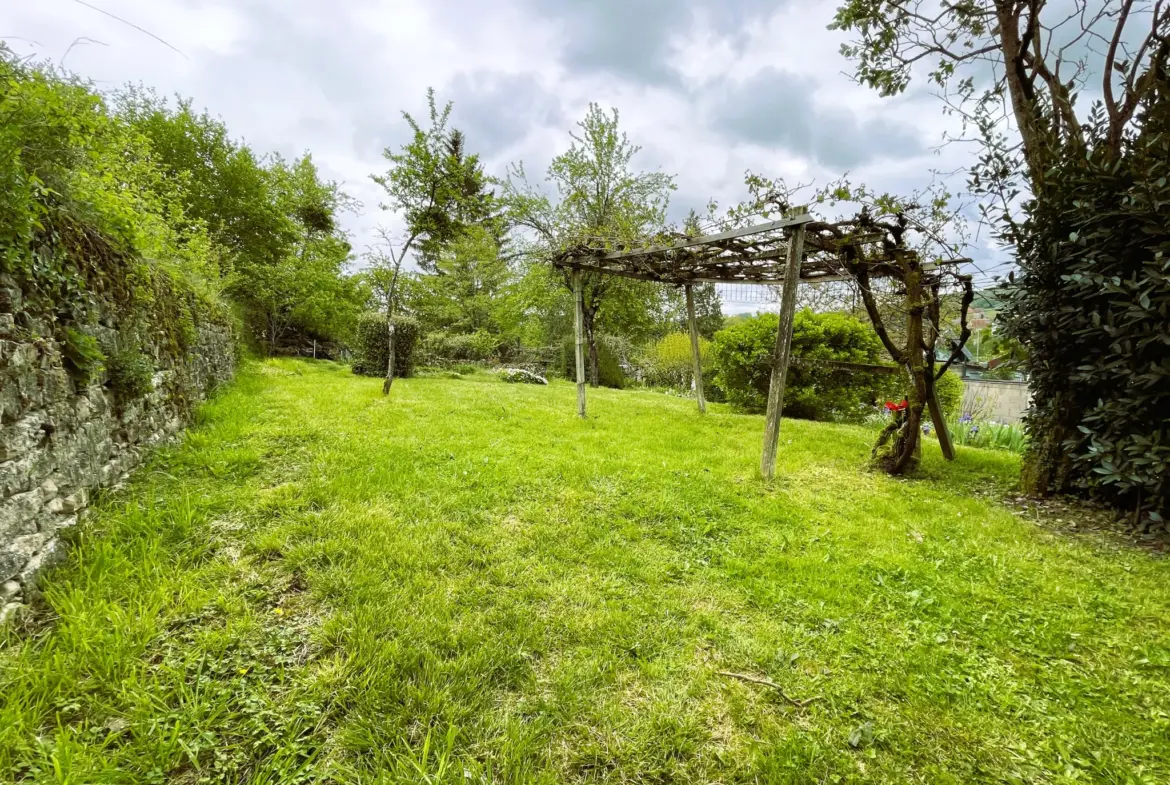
(783, 252)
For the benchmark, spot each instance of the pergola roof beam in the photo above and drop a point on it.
(745, 231)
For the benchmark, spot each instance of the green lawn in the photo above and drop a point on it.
(464, 582)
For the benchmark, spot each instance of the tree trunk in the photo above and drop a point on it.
(1023, 106)
(390, 358)
(271, 336)
(591, 338)
(1047, 463)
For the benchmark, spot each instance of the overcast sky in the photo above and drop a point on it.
(708, 88)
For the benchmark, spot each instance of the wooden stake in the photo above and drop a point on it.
(579, 322)
(940, 425)
(695, 349)
(783, 347)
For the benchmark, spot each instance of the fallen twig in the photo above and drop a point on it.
(800, 704)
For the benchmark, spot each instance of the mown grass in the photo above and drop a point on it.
(465, 583)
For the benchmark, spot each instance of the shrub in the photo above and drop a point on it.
(521, 376)
(440, 347)
(1091, 303)
(742, 357)
(129, 373)
(373, 345)
(669, 362)
(609, 368)
(84, 358)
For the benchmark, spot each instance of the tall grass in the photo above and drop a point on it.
(987, 434)
(464, 582)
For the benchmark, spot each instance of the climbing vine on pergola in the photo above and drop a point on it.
(801, 249)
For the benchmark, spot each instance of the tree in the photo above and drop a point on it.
(221, 182)
(384, 276)
(305, 288)
(1030, 47)
(439, 188)
(599, 199)
(1012, 70)
(283, 254)
(470, 289)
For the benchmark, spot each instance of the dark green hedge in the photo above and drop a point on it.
(1092, 305)
(373, 345)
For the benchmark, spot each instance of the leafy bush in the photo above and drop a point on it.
(84, 358)
(609, 368)
(129, 373)
(373, 345)
(669, 363)
(439, 348)
(742, 357)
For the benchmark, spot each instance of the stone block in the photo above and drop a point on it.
(10, 405)
(21, 437)
(74, 502)
(8, 590)
(20, 475)
(18, 512)
(49, 551)
(19, 553)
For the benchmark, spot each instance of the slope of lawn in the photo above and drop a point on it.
(464, 582)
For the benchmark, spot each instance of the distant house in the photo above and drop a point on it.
(977, 318)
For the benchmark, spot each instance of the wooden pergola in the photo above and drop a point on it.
(796, 249)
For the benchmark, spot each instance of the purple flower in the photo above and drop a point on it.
(974, 429)
(926, 430)
(965, 418)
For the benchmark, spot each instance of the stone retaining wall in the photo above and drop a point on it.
(59, 443)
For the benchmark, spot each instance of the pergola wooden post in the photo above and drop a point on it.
(698, 360)
(579, 325)
(783, 353)
(940, 425)
(795, 249)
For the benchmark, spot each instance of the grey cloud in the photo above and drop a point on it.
(496, 110)
(629, 38)
(328, 60)
(370, 136)
(776, 108)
